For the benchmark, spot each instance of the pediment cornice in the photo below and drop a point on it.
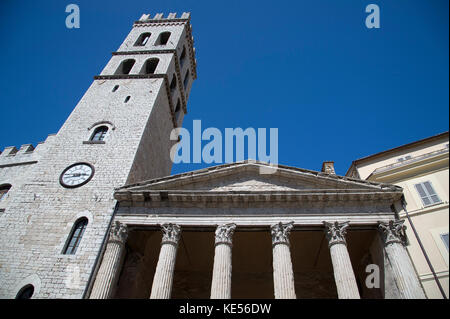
(296, 175)
(256, 196)
(318, 187)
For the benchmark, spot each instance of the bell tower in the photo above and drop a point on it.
(61, 203)
(152, 72)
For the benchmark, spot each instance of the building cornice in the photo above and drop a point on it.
(171, 181)
(18, 164)
(322, 196)
(426, 209)
(248, 222)
(412, 167)
(396, 149)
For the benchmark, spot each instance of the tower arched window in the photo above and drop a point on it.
(125, 67)
(4, 189)
(99, 133)
(163, 38)
(182, 57)
(177, 110)
(26, 292)
(75, 236)
(173, 83)
(186, 79)
(150, 66)
(143, 39)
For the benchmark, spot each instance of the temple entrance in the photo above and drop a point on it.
(252, 275)
(252, 272)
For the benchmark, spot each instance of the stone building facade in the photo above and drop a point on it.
(138, 106)
(93, 212)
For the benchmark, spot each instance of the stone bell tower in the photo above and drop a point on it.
(61, 204)
(152, 71)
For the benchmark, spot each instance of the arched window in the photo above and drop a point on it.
(143, 39)
(75, 236)
(26, 292)
(99, 133)
(186, 79)
(163, 38)
(4, 189)
(125, 67)
(173, 83)
(150, 66)
(177, 110)
(182, 57)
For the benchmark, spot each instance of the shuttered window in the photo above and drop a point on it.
(427, 193)
(444, 238)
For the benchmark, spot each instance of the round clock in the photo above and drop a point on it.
(76, 175)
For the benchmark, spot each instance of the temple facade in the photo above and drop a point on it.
(94, 213)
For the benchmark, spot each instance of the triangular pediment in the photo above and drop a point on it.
(251, 176)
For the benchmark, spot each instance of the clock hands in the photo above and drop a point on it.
(77, 174)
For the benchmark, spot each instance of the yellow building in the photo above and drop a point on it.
(421, 169)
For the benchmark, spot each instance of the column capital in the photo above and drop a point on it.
(280, 233)
(118, 233)
(171, 234)
(224, 234)
(336, 232)
(392, 232)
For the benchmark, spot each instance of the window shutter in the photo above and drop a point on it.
(427, 193)
(445, 239)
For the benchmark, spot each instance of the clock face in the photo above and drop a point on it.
(76, 175)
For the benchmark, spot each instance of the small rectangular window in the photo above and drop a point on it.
(427, 193)
(444, 238)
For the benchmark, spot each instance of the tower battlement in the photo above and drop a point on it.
(159, 17)
(10, 155)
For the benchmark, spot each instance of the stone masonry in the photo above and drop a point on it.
(38, 213)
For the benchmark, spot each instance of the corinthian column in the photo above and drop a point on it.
(162, 281)
(221, 280)
(283, 275)
(403, 270)
(342, 266)
(108, 274)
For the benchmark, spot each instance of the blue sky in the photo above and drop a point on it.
(334, 89)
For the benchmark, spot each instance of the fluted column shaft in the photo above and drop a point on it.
(402, 268)
(221, 280)
(344, 276)
(283, 275)
(108, 273)
(163, 279)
